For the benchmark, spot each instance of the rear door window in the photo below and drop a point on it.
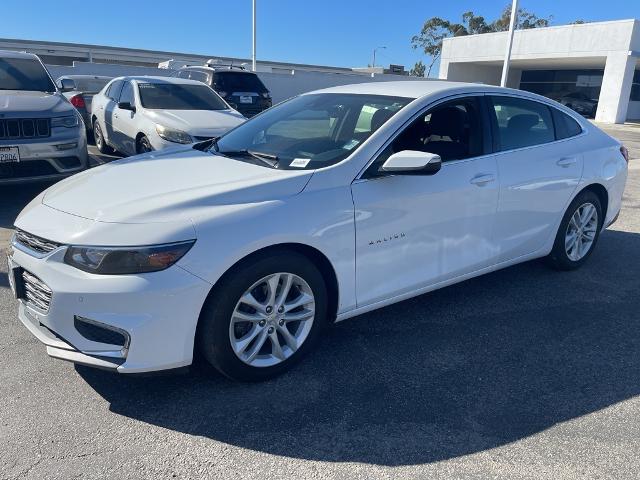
(520, 123)
(199, 76)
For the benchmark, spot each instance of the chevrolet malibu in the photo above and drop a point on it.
(329, 205)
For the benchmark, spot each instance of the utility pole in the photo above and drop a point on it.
(507, 55)
(373, 65)
(253, 54)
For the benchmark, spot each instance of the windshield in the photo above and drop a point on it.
(176, 96)
(312, 131)
(239, 82)
(24, 74)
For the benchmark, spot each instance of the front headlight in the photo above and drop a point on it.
(126, 260)
(67, 121)
(171, 135)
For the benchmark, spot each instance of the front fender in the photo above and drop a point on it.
(322, 220)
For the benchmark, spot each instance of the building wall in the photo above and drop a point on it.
(282, 85)
(611, 46)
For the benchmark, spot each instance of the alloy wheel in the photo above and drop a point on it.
(581, 231)
(97, 133)
(272, 319)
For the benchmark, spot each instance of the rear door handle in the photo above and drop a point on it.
(566, 162)
(481, 180)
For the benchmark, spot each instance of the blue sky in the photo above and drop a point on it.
(326, 32)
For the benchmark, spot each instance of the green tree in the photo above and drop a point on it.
(436, 29)
(418, 69)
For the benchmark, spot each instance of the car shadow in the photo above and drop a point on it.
(457, 371)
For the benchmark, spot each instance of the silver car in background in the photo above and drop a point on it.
(42, 136)
(79, 90)
(140, 114)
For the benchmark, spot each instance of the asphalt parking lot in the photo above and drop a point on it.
(525, 373)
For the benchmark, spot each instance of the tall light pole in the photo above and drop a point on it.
(253, 53)
(373, 65)
(507, 55)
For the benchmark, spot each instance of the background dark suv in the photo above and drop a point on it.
(243, 90)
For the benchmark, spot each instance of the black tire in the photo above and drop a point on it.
(213, 337)
(559, 258)
(101, 144)
(143, 145)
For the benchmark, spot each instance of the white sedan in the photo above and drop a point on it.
(141, 114)
(329, 205)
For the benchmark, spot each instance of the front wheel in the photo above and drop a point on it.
(578, 232)
(101, 144)
(143, 145)
(262, 319)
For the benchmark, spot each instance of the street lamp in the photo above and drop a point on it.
(507, 55)
(253, 53)
(373, 65)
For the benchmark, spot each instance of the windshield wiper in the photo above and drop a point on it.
(266, 158)
(206, 144)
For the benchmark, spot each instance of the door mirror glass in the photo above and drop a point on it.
(412, 162)
(67, 85)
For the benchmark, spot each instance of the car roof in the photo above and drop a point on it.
(158, 79)
(14, 54)
(414, 88)
(82, 77)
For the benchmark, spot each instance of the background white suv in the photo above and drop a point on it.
(140, 114)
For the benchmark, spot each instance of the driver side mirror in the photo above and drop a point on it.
(67, 85)
(126, 106)
(412, 162)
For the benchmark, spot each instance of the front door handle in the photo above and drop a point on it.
(481, 180)
(566, 162)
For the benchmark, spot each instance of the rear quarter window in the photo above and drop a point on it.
(566, 127)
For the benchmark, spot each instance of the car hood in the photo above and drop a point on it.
(174, 184)
(17, 103)
(197, 122)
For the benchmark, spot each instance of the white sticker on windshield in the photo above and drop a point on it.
(350, 144)
(299, 162)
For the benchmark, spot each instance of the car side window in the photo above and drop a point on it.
(127, 93)
(520, 123)
(114, 90)
(452, 130)
(199, 76)
(566, 127)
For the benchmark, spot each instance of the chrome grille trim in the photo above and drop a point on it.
(37, 244)
(17, 128)
(36, 292)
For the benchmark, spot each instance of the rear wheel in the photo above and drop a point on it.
(264, 317)
(101, 144)
(578, 232)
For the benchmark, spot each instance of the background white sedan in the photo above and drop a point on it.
(140, 114)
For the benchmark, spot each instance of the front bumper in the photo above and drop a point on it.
(47, 159)
(158, 311)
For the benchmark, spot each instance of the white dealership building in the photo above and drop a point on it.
(600, 60)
